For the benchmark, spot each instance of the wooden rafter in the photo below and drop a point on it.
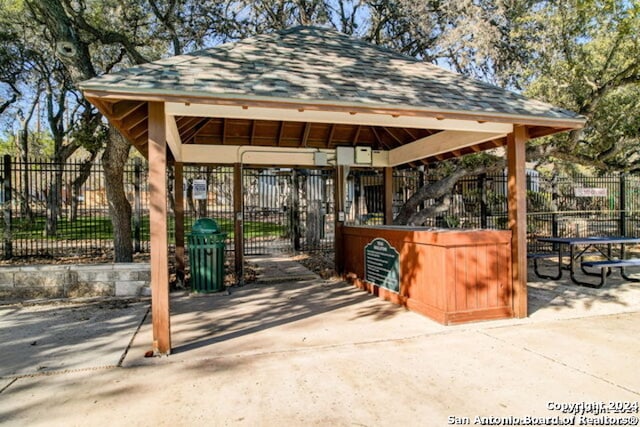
(135, 118)
(398, 140)
(122, 109)
(190, 135)
(253, 132)
(381, 143)
(280, 133)
(354, 141)
(331, 132)
(187, 123)
(224, 131)
(305, 134)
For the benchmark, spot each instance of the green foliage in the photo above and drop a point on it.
(587, 61)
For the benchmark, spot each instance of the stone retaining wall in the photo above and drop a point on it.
(69, 281)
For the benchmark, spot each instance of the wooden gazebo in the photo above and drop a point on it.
(305, 97)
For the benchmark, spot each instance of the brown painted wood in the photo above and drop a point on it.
(517, 193)
(238, 227)
(451, 276)
(158, 224)
(293, 105)
(179, 220)
(388, 196)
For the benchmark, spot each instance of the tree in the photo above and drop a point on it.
(588, 62)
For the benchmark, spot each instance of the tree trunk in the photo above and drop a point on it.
(76, 186)
(54, 200)
(114, 159)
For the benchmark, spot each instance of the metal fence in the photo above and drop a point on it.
(60, 210)
(562, 206)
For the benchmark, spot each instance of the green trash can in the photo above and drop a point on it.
(206, 256)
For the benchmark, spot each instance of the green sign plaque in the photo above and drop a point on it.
(382, 265)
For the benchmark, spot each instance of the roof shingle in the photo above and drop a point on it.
(319, 65)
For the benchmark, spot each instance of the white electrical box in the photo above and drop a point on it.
(380, 158)
(320, 159)
(363, 155)
(344, 156)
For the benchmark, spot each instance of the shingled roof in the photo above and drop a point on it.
(319, 66)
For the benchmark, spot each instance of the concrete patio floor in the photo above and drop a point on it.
(313, 352)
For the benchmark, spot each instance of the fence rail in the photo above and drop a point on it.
(60, 210)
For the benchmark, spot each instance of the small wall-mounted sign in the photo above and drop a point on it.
(590, 192)
(382, 265)
(199, 189)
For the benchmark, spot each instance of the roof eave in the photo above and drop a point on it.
(142, 94)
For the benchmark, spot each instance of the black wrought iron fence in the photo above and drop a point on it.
(58, 210)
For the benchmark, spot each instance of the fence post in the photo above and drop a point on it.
(623, 205)
(483, 199)
(554, 205)
(137, 203)
(6, 200)
(295, 210)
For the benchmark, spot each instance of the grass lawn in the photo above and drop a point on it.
(100, 228)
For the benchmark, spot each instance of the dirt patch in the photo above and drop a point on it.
(320, 262)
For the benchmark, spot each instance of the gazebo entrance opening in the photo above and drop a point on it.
(287, 210)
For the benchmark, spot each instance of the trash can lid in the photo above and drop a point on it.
(205, 226)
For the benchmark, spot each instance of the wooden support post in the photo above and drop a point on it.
(158, 224)
(339, 178)
(388, 196)
(179, 218)
(517, 188)
(238, 209)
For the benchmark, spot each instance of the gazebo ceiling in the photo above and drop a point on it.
(315, 88)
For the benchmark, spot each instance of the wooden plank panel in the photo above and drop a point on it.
(158, 225)
(442, 272)
(483, 268)
(471, 277)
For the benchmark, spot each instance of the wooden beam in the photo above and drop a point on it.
(173, 138)
(438, 143)
(388, 196)
(158, 223)
(178, 187)
(517, 194)
(338, 117)
(285, 107)
(238, 209)
(255, 155)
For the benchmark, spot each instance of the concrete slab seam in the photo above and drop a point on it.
(58, 372)
(8, 385)
(295, 351)
(135, 333)
(557, 362)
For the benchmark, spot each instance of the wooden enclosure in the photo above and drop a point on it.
(451, 276)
